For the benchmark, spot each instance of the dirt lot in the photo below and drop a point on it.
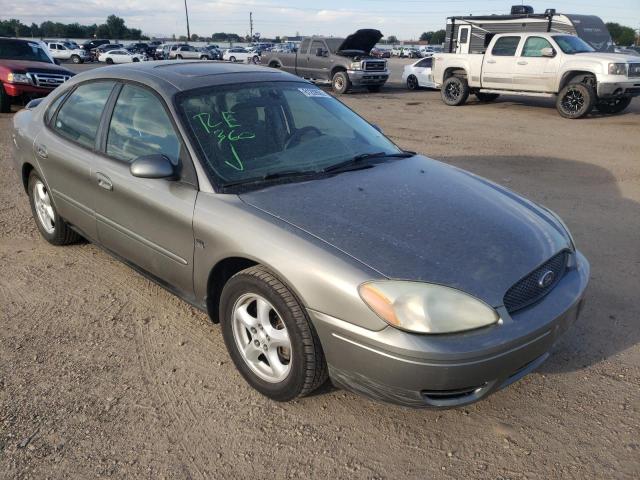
(103, 373)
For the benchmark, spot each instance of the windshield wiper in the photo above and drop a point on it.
(272, 176)
(354, 161)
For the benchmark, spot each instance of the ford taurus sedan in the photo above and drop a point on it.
(321, 248)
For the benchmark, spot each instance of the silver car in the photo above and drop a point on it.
(321, 248)
(189, 52)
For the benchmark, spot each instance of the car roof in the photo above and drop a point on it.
(169, 77)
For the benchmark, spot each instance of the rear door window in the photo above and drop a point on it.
(505, 47)
(78, 119)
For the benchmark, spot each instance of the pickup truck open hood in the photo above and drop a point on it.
(419, 219)
(364, 40)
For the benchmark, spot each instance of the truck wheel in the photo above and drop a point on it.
(486, 97)
(374, 88)
(616, 105)
(575, 100)
(269, 337)
(75, 59)
(412, 82)
(341, 83)
(5, 101)
(455, 91)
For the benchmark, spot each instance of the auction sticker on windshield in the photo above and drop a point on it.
(314, 92)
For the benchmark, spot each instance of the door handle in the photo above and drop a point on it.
(41, 151)
(491, 61)
(104, 181)
(522, 62)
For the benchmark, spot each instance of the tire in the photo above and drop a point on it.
(203, 57)
(109, 61)
(487, 97)
(305, 369)
(374, 88)
(5, 101)
(575, 100)
(341, 83)
(232, 59)
(614, 106)
(135, 60)
(274, 65)
(255, 59)
(55, 231)
(76, 59)
(455, 91)
(178, 57)
(412, 82)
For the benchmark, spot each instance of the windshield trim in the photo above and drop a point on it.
(217, 183)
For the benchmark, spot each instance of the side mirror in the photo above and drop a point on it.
(152, 166)
(319, 52)
(548, 52)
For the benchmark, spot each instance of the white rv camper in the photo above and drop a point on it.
(472, 34)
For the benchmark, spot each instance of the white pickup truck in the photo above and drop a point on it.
(543, 65)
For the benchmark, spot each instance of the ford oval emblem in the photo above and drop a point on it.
(546, 279)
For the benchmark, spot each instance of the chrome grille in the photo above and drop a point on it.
(529, 289)
(374, 66)
(634, 70)
(47, 80)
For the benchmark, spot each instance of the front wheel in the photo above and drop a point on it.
(455, 91)
(616, 105)
(576, 100)
(178, 57)
(110, 61)
(341, 83)
(76, 59)
(232, 59)
(53, 228)
(412, 82)
(269, 336)
(136, 60)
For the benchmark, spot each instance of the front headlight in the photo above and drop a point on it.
(18, 78)
(355, 66)
(617, 69)
(425, 307)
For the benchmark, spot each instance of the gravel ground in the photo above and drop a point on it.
(103, 373)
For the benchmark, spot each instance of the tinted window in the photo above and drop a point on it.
(79, 117)
(140, 126)
(464, 35)
(250, 130)
(505, 47)
(22, 50)
(534, 45)
(425, 63)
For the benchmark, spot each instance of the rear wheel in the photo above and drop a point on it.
(5, 101)
(53, 228)
(76, 59)
(179, 57)
(487, 97)
(109, 61)
(255, 59)
(341, 83)
(269, 336)
(616, 105)
(412, 82)
(455, 91)
(203, 57)
(232, 59)
(135, 60)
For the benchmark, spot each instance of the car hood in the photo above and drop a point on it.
(419, 219)
(363, 40)
(607, 57)
(31, 66)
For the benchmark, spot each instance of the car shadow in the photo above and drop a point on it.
(606, 228)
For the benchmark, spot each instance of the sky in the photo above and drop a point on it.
(405, 19)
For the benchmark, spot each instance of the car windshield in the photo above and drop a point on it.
(256, 130)
(570, 44)
(19, 50)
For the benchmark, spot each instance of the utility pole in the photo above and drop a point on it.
(186, 12)
(250, 25)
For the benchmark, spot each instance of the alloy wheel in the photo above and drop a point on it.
(573, 101)
(42, 202)
(261, 337)
(452, 91)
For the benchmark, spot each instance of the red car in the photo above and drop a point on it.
(26, 72)
(380, 53)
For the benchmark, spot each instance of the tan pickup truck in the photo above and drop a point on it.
(543, 65)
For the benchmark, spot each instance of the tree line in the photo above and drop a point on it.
(113, 28)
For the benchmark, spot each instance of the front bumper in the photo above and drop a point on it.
(613, 89)
(444, 371)
(25, 91)
(363, 77)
